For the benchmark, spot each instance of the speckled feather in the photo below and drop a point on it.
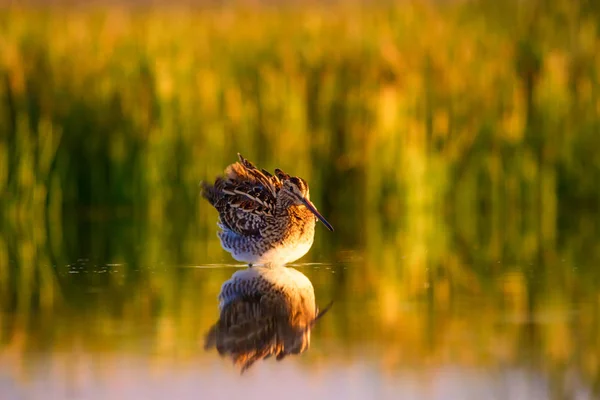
(263, 217)
(245, 197)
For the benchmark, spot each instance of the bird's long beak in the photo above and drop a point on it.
(313, 209)
(321, 313)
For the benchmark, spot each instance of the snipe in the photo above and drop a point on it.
(264, 219)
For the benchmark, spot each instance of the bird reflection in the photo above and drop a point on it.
(264, 312)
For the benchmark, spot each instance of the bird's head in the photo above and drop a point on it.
(295, 190)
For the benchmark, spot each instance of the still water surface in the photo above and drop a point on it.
(111, 308)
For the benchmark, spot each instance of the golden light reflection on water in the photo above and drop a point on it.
(402, 305)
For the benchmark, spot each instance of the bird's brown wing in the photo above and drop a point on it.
(244, 197)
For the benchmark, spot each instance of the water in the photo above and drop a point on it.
(107, 307)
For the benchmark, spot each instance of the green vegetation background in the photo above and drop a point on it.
(453, 135)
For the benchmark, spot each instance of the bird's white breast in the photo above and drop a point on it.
(284, 254)
(278, 254)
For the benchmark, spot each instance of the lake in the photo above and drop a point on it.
(118, 309)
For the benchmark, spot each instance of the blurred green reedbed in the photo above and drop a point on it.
(454, 146)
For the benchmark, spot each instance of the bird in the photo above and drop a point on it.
(264, 219)
(265, 311)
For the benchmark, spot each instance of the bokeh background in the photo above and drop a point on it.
(453, 144)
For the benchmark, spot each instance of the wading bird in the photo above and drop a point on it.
(263, 219)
